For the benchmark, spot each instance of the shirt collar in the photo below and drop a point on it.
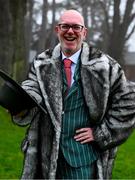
(74, 57)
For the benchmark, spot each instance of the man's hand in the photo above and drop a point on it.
(21, 114)
(84, 135)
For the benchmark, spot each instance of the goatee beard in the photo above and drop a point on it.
(68, 51)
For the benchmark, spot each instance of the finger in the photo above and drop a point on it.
(82, 138)
(80, 135)
(82, 130)
(87, 140)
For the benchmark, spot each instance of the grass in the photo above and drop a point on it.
(124, 167)
(11, 158)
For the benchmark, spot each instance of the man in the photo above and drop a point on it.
(90, 105)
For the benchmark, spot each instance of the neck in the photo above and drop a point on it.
(69, 52)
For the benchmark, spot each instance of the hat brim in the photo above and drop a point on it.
(14, 98)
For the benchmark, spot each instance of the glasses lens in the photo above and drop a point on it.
(77, 28)
(64, 27)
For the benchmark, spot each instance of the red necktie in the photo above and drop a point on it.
(67, 67)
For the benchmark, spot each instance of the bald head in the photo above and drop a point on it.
(72, 16)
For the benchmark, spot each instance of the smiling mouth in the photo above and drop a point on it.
(70, 38)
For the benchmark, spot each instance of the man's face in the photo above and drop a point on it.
(71, 32)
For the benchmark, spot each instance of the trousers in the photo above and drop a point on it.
(65, 171)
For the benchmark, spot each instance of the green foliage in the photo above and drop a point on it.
(11, 158)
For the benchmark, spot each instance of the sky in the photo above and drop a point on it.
(131, 43)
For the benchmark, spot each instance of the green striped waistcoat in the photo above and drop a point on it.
(75, 117)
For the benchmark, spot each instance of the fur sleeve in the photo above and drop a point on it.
(119, 119)
(31, 86)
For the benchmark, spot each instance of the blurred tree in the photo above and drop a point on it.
(112, 24)
(5, 36)
(52, 34)
(119, 33)
(12, 46)
(100, 22)
(18, 11)
(109, 27)
(29, 26)
(43, 30)
(85, 12)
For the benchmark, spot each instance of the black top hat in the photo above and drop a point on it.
(14, 98)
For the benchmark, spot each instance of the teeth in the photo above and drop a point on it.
(70, 38)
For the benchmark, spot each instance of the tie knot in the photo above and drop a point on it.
(67, 63)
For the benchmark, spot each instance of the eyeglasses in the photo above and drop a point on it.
(75, 27)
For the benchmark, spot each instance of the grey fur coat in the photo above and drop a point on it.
(109, 97)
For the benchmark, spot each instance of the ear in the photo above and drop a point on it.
(56, 29)
(85, 33)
